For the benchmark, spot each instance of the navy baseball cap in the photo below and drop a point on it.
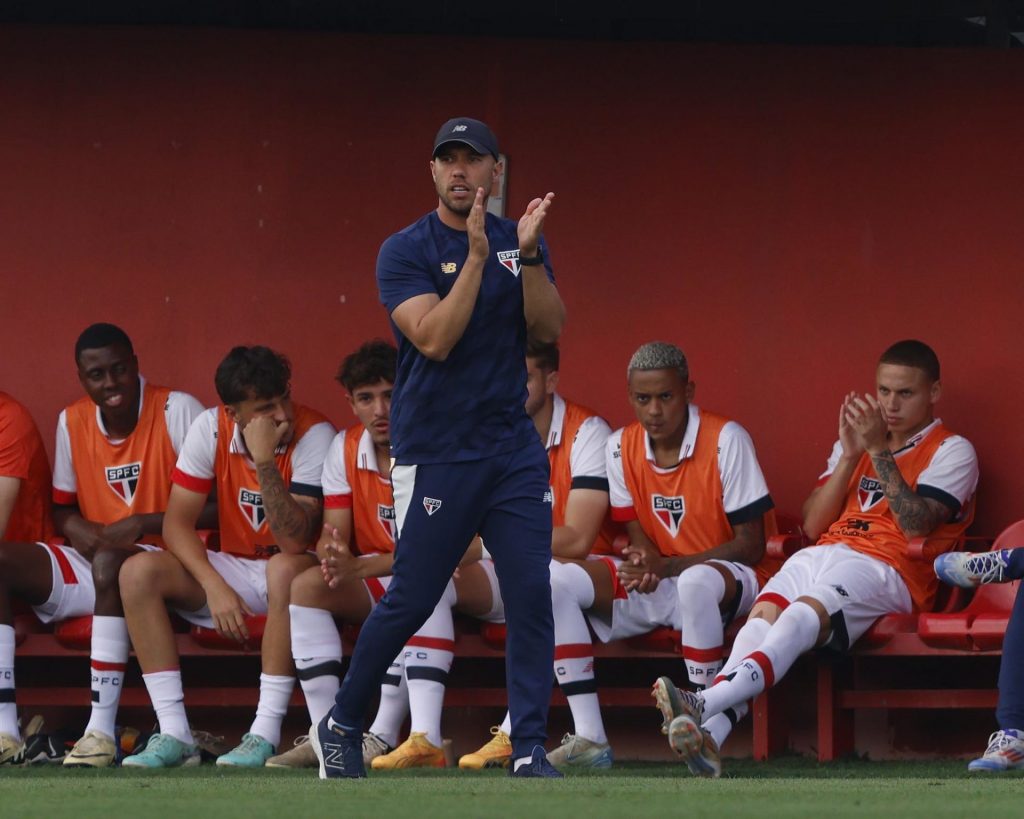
(471, 132)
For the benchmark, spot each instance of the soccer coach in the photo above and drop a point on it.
(463, 289)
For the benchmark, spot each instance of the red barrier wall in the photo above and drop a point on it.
(782, 214)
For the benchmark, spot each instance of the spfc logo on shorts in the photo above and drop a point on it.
(510, 260)
(386, 517)
(670, 511)
(869, 493)
(124, 480)
(431, 505)
(251, 504)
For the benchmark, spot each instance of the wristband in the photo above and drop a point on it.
(531, 261)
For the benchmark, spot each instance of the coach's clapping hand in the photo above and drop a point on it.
(228, 611)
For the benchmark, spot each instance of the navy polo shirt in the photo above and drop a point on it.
(471, 405)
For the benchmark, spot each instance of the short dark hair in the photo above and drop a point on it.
(99, 335)
(373, 362)
(252, 372)
(545, 353)
(913, 353)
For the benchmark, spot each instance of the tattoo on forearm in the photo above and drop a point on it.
(912, 512)
(286, 517)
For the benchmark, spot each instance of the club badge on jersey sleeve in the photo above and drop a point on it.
(124, 480)
(251, 504)
(869, 493)
(670, 511)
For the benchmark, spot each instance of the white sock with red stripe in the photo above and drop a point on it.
(164, 689)
(795, 632)
(701, 589)
(275, 694)
(107, 661)
(428, 659)
(316, 649)
(394, 703)
(747, 640)
(8, 708)
(572, 592)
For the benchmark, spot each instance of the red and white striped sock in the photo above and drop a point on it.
(428, 659)
(107, 660)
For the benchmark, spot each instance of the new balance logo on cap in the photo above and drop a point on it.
(458, 128)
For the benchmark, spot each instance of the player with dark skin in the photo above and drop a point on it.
(110, 377)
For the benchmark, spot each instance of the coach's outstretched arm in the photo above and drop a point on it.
(545, 313)
(433, 324)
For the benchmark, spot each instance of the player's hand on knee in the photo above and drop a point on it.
(228, 612)
(339, 564)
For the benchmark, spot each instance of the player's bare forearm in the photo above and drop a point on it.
(182, 541)
(916, 516)
(376, 565)
(293, 524)
(747, 547)
(542, 306)
(585, 510)
(825, 503)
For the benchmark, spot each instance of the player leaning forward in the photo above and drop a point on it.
(463, 288)
(264, 455)
(895, 473)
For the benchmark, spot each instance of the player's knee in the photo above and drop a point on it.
(139, 576)
(700, 587)
(282, 571)
(769, 612)
(106, 568)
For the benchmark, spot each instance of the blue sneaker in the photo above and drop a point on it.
(537, 768)
(1005, 752)
(252, 752)
(339, 752)
(969, 569)
(164, 751)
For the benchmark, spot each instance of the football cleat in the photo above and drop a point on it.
(537, 768)
(674, 702)
(164, 751)
(373, 747)
(299, 756)
(497, 753)
(971, 569)
(252, 752)
(338, 752)
(12, 750)
(696, 746)
(1005, 752)
(580, 752)
(416, 752)
(94, 750)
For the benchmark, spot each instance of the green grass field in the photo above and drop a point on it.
(790, 789)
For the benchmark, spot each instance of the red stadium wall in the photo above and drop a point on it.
(782, 214)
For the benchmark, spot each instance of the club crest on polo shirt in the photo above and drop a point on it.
(869, 493)
(670, 511)
(124, 480)
(387, 520)
(509, 259)
(251, 504)
(431, 505)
